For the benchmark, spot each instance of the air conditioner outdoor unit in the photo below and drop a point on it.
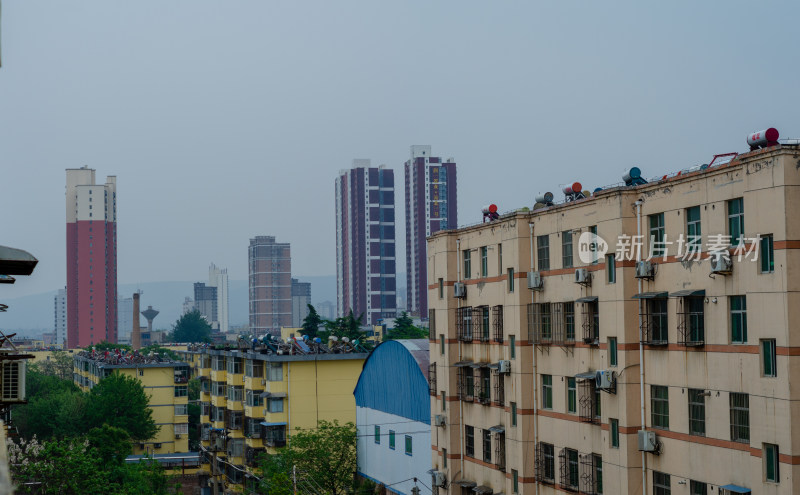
(582, 276)
(648, 442)
(720, 263)
(439, 479)
(505, 366)
(606, 380)
(440, 420)
(535, 281)
(156, 445)
(459, 290)
(644, 269)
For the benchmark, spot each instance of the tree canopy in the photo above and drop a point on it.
(119, 400)
(404, 328)
(191, 327)
(312, 322)
(348, 326)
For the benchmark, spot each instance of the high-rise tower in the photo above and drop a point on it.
(270, 269)
(365, 242)
(431, 205)
(91, 258)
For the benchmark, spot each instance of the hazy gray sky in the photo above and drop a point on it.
(226, 120)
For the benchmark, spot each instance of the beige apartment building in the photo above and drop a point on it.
(563, 370)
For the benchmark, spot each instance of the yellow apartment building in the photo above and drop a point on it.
(569, 362)
(166, 383)
(254, 397)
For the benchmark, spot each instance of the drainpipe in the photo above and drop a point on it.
(460, 357)
(535, 401)
(638, 205)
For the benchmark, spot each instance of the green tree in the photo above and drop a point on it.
(312, 322)
(325, 457)
(120, 401)
(348, 326)
(194, 414)
(58, 364)
(112, 444)
(191, 327)
(405, 329)
(59, 414)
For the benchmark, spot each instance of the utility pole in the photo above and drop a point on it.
(294, 478)
(415, 490)
(214, 463)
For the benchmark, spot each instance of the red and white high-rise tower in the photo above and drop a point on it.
(91, 258)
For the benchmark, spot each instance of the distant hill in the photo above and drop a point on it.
(32, 315)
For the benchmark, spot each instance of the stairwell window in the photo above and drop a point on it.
(441, 288)
(391, 439)
(611, 269)
(467, 263)
(771, 464)
(738, 319)
(543, 252)
(510, 280)
(736, 220)
(612, 351)
(484, 261)
(767, 254)
(768, 358)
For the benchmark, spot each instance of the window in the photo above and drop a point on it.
(697, 488)
(181, 428)
(234, 365)
(444, 458)
(569, 321)
(515, 480)
(597, 404)
(566, 249)
(543, 252)
(181, 391)
(657, 330)
(771, 467)
(487, 446)
(254, 369)
(484, 394)
(738, 319)
(252, 398)
(377, 434)
(614, 427)
(484, 261)
(545, 462)
(275, 372)
(510, 280)
(657, 246)
(513, 414)
(767, 254)
(512, 344)
(736, 220)
(441, 344)
(612, 351)
(235, 393)
(275, 405)
(768, 357)
(547, 391)
(691, 324)
(611, 269)
(409, 445)
(469, 447)
(441, 288)
(467, 263)
(391, 439)
(181, 409)
(569, 468)
(597, 463)
(697, 412)
(444, 401)
(661, 485)
(740, 417)
(572, 395)
(693, 231)
(659, 406)
(593, 231)
(499, 259)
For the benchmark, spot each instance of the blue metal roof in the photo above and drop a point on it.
(392, 381)
(736, 489)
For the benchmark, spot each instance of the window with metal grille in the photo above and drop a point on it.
(738, 319)
(480, 318)
(769, 365)
(657, 246)
(464, 324)
(659, 406)
(691, 321)
(588, 401)
(566, 249)
(661, 483)
(466, 383)
(274, 436)
(543, 252)
(499, 388)
(545, 463)
(432, 378)
(568, 313)
(697, 412)
(500, 450)
(568, 464)
(485, 388)
(591, 474)
(736, 220)
(693, 230)
(252, 427)
(497, 323)
(740, 417)
(591, 322)
(547, 391)
(654, 321)
(469, 442)
(697, 488)
(771, 464)
(541, 324)
(487, 446)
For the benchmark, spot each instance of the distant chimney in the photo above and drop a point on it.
(136, 332)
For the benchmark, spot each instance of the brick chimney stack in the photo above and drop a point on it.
(136, 331)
